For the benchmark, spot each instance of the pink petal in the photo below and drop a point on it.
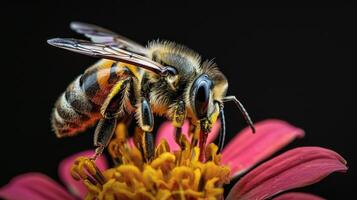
(297, 196)
(247, 149)
(34, 186)
(167, 131)
(293, 169)
(76, 187)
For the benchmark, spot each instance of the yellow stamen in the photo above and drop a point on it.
(170, 175)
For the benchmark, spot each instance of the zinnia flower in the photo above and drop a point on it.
(179, 174)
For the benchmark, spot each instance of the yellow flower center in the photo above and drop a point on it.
(170, 175)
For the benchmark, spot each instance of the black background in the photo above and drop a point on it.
(291, 64)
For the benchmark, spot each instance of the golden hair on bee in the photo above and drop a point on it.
(159, 49)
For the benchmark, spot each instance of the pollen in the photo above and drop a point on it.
(168, 176)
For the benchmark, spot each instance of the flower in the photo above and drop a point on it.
(37, 186)
(179, 174)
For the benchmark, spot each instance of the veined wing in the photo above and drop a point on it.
(108, 51)
(101, 35)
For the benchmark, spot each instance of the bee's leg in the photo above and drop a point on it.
(146, 123)
(177, 121)
(113, 104)
(206, 127)
(194, 131)
(110, 110)
(102, 135)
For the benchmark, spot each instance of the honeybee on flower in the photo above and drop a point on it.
(182, 162)
(133, 81)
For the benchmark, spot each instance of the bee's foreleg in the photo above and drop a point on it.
(110, 110)
(178, 121)
(194, 131)
(146, 123)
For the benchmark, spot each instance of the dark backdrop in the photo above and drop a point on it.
(291, 64)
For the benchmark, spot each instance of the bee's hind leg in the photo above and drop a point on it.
(102, 135)
(110, 110)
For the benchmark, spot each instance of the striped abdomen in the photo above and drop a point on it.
(78, 107)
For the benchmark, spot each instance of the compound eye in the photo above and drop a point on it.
(201, 94)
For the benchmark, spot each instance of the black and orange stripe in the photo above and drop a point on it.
(78, 107)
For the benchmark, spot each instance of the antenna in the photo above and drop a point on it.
(241, 109)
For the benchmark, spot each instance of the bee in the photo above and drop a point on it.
(133, 81)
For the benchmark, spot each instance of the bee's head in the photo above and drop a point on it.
(206, 92)
(201, 84)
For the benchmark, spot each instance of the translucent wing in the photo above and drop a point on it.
(108, 51)
(101, 35)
